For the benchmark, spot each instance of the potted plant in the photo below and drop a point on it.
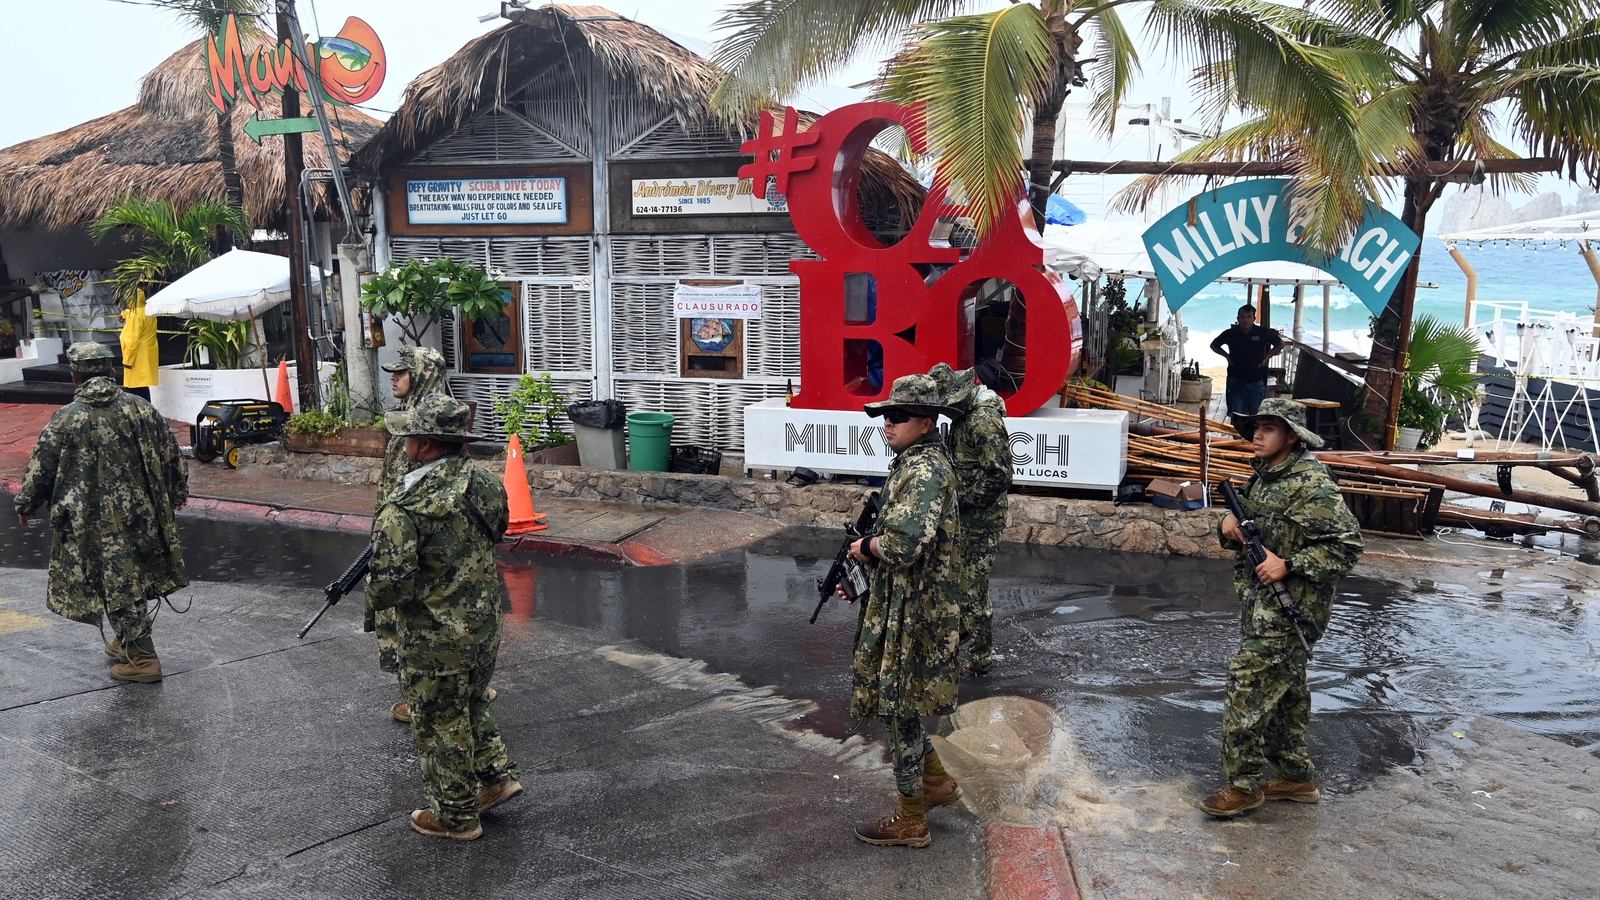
(332, 429)
(419, 293)
(1438, 374)
(532, 410)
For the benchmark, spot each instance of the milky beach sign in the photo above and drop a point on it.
(1251, 221)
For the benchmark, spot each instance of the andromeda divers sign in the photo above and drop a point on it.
(1251, 221)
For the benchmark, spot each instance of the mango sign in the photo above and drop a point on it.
(350, 65)
(1252, 221)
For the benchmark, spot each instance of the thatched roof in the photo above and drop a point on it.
(162, 148)
(463, 87)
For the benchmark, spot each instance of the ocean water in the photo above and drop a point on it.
(1549, 279)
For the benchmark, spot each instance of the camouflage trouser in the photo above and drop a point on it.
(908, 745)
(383, 625)
(971, 564)
(1268, 710)
(131, 624)
(458, 741)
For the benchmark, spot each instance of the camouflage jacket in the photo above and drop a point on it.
(111, 471)
(980, 453)
(1303, 519)
(905, 654)
(429, 379)
(433, 563)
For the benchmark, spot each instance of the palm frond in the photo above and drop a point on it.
(776, 46)
(1558, 109)
(1507, 24)
(1117, 62)
(208, 16)
(1440, 358)
(975, 73)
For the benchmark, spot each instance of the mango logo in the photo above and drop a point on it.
(351, 66)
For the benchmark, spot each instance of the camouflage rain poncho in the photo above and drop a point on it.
(113, 475)
(905, 655)
(427, 377)
(433, 563)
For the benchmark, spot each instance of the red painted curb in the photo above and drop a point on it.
(1029, 863)
(567, 549)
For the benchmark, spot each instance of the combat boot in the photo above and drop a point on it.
(401, 711)
(424, 822)
(1284, 789)
(906, 828)
(142, 669)
(498, 793)
(938, 787)
(114, 651)
(1228, 801)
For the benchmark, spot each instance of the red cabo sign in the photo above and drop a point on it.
(923, 315)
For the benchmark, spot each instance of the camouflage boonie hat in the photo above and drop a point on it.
(1293, 414)
(87, 357)
(958, 388)
(413, 358)
(916, 393)
(437, 417)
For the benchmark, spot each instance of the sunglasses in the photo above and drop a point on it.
(899, 417)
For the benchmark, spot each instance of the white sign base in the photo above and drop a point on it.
(1068, 448)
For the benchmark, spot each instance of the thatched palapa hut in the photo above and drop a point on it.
(162, 148)
(634, 197)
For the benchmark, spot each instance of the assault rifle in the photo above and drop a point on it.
(846, 573)
(344, 584)
(1258, 555)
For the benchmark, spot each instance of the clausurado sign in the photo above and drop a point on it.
(1072, 448)
(1250, 221)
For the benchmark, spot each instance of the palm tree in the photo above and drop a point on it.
(171, 243)
(983, 74)
(1450, 69)
(209, 17)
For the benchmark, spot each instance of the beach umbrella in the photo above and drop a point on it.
(237, 285)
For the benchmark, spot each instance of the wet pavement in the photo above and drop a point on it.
(1124, 652)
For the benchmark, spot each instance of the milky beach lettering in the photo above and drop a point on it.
(1252, 221)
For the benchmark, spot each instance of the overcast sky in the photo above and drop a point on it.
(69, 61)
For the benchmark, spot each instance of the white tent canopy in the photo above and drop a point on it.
(237, 285)
(1584, 226)
(1099, 247)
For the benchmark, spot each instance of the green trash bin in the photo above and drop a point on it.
(649, 441)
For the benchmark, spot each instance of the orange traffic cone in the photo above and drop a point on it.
(523, 518)
(285, 396)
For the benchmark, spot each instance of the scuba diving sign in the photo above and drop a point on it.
(1252, 221)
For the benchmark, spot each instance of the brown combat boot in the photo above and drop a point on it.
(423, 822)
(401, 712)
(1229, 801)
(114, 651)
(938, 787)
(1284, 789)
(498, 793)
(142, 669)
(906, 828)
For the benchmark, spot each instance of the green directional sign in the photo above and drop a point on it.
(258, 128)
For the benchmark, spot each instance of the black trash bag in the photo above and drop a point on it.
(695, 461)
(599, 413)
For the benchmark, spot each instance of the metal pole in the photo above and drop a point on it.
(1299, 313)
(314, 82)
(1327, 296)
(305, 363)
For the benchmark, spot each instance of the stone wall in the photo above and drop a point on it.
(1096, 524)
(275, 459)
(1099, 524)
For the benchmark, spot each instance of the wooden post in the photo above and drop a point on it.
(1586, 250)
(305, 362)
(1299, 313)
(1205, 453)
(1472, 281)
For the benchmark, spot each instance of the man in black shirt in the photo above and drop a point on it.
(1246, 348)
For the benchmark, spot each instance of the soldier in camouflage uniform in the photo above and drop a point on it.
(433, 564)
(418, 372)
(1312, 540)
(905, 654)
(113, 475)
(980, 453)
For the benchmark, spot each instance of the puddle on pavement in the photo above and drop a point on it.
(1132, 649)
